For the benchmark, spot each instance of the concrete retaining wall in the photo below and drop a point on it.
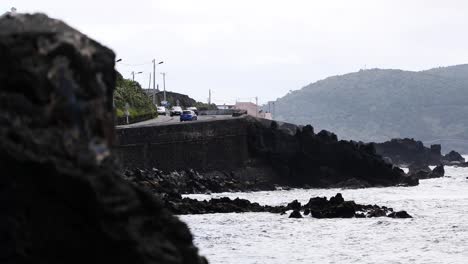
(204, 146)
(218, 112)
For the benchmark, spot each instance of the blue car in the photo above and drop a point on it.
(188, 115)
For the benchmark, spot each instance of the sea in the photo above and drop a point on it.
(437, 233)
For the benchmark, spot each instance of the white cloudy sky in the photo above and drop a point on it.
(246, 48)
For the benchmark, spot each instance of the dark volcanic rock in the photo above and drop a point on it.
(317, 207)
(437, 172)
(295, 205)
(417, 167)
(318, 160)
(407, 151)
(62, 201)
(410, 180)
(400, 214)
(295, 214)
(453, 156)
(190, 181)
(352, 183)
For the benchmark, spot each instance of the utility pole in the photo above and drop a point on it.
(149, 84)
(209, 96)
(133, 75)
(274, 111)
(154, 73)
(256, 104)
(164, 85)
(153, 91)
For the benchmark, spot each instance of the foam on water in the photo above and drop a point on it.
(438, 233)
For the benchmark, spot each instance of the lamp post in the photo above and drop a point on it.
(154, 72)
(133, 74)
(164, 85)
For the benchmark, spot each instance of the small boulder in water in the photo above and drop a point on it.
(377, 212)
(294, 205)
(295, 214)
(453, 156)
(416, 167)
(400, 214)
(410, 180)
(438, 171)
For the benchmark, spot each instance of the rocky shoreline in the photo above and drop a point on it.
(169, 187)
(317, 207)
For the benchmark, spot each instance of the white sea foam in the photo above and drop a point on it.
(438, 233)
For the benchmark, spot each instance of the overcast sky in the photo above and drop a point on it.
(245, 48)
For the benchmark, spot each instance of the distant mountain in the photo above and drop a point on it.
(377, 105)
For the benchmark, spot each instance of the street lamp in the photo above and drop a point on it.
(164, 85)
(118, 60)
(154, 72)
(133, 74)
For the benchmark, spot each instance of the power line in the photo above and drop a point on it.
(136, 64)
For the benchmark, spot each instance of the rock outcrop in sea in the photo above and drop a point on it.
(62, 200)
(404, 152)
(301, 157)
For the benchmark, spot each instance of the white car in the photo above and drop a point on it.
(161, 110)
(194, 109)
(176, 110)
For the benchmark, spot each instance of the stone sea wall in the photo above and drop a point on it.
(248, 148)
(220, 145)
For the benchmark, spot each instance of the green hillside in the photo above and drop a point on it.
(377, 105)
(128, 91)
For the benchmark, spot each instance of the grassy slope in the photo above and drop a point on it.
(128, 91)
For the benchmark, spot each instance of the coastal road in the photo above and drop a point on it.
(167, 120)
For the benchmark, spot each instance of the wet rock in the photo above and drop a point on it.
(337, 199)
(453, 156)
(295, 214)
(191, 181)
(62, 200)
(317, 202)
(345, 210)
(400, 214)
(407, 151)
(294, 205)
(317, 207)
(378, 212)
(318, 160)
(410, 180)
(360, 215)
(438, 171)
(417, 167)
(352, 183)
